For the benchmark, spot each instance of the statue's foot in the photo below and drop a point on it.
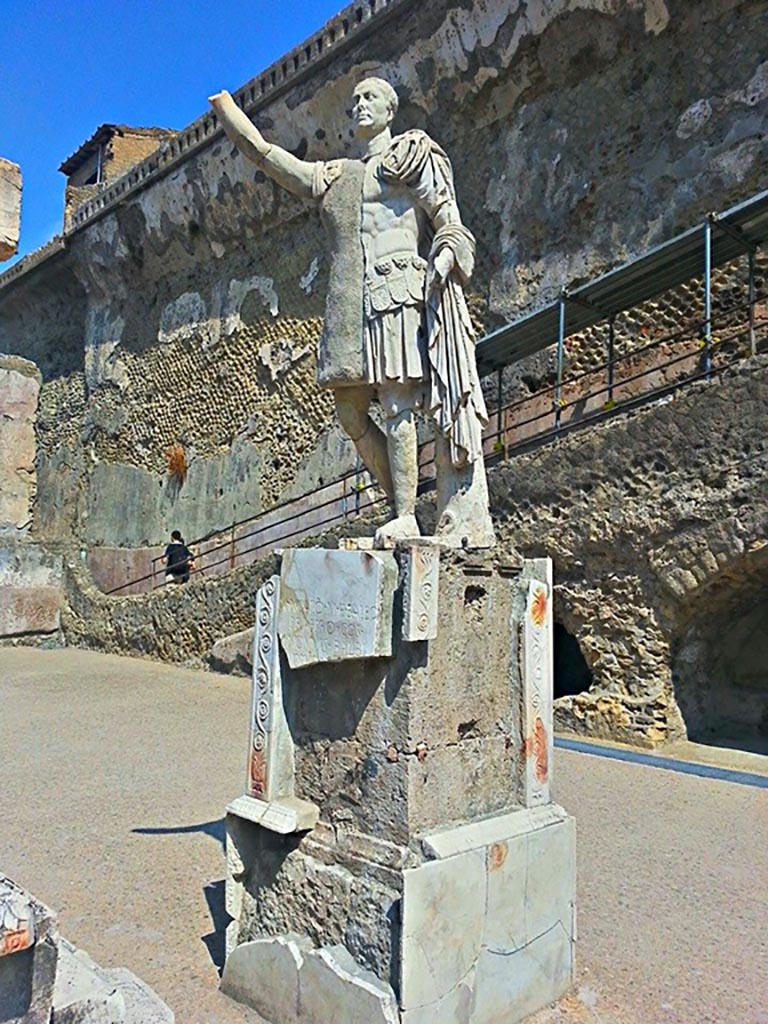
(465, 525)
(397, 529)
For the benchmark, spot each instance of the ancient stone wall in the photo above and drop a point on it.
(30, 575)
(193, 305)
(126, 149)
(19, 390)
(656, 521)
(184, 307)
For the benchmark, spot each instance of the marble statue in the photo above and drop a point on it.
(396, 321)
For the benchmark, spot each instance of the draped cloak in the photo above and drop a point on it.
(454, 398)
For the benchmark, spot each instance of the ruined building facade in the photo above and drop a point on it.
(183, 305)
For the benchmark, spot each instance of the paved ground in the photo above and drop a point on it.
(115, 774)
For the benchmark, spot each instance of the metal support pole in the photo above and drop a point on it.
(751, 298)
(499, 413)
(708, 295)
(560, 354)
(611, 344)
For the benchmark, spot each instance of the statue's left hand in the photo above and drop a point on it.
(441, 267)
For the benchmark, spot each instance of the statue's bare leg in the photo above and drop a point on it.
(352, 406)
(462, 501)
(398, 402)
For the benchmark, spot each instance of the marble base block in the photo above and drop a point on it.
(477, 927)
(488, 930)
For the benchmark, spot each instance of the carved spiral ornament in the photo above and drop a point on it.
(261, 713)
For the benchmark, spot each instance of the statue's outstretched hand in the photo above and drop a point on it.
(295, 175)
(221, 99)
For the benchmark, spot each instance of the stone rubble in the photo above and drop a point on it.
(46, 980)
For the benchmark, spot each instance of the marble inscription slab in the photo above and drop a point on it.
(336, 605)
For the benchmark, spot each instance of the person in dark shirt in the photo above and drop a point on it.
(178, 560)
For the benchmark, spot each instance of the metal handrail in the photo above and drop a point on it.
(691, 332)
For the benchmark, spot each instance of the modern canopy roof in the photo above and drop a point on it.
(735, 232)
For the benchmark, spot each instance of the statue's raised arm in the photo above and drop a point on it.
(283, 167)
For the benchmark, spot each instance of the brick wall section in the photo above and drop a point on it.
(121, 153)
(125, 151)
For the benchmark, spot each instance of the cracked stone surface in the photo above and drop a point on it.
(264, 974)
(490, 932)
(333, 987)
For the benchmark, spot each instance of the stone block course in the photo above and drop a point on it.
(10, 208)
(19, 390)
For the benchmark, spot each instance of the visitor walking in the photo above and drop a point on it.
(179, 560)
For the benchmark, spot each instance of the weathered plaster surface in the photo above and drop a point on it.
(189, 313)
(656, 523)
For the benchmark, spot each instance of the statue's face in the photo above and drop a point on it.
(371, 109)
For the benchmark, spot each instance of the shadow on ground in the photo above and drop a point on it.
(215, 941)
(215, 829)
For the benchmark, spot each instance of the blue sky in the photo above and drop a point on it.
(67, 66)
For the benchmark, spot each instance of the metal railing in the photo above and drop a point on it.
(698, 349)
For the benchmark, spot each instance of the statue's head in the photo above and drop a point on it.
(374, 105)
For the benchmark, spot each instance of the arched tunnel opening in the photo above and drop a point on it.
(571, 672)
(720, 670)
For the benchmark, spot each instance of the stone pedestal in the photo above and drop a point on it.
(397, 837)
